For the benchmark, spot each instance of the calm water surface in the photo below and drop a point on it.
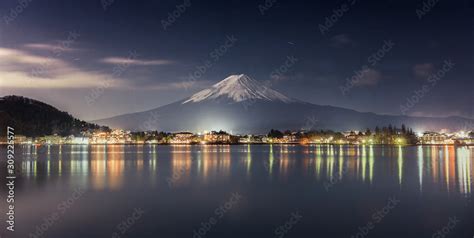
(243, 191)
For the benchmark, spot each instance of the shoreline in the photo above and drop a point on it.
(199, 144)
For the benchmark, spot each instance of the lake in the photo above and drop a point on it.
(88, 191)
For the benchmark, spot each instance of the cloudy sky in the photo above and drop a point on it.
(99, 58)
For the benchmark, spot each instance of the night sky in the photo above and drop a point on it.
(130, 56)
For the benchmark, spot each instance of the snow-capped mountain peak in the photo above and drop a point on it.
(239, 88)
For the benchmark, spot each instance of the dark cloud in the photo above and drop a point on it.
(342, 40)
(423, 71)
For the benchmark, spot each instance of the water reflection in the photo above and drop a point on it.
(100, 167)
(400, 165)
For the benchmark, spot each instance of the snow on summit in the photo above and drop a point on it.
(239, 88)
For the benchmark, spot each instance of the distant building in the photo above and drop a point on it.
(266, 139)
(182, 138)
(352, 137)
(217, 137)
(464, 141)
(436, 138)
(20, 139)
(119, 137)
(54, 139)
(251, 139)
(114, 137)
(245, 139)
(99, 138)
(79, 140)
(290, 138)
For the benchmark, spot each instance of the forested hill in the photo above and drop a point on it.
(33, 118)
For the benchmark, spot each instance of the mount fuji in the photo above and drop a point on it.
(241, 104)
(239, 88)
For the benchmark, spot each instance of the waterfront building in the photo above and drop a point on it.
(182, 138)
(434, 138)
(217, 137)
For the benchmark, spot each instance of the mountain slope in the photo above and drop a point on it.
(239, 88)
(243, 105)
(34, 118)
